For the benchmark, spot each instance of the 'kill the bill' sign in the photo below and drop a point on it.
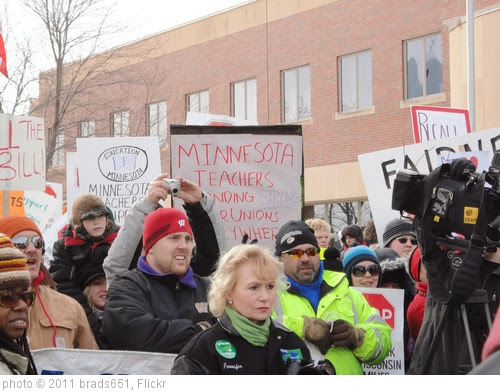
(22, 153)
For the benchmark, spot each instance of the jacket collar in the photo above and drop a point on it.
(187, 279)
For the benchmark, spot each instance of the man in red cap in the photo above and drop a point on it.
(56, 320)
(160, 305)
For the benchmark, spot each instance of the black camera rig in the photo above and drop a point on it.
(456, 217)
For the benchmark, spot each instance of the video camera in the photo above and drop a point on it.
(456, 218)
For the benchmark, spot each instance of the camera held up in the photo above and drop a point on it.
(174, 186)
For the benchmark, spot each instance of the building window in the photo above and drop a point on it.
(157, 121)
(423, 66)
(58, 157)
(356, 81)
(119, 124)
(296, 94)
(87, 128)
(198, 102)
(245, 99)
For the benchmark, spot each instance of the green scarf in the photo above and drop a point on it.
(255, 334)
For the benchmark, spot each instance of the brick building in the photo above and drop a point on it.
(346, 70)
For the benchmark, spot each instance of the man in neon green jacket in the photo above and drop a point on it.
(323, 309)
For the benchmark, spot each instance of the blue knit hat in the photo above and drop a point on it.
(356, 255)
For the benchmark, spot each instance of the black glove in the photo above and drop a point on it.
(245, 240)
(461, 168)
(317, 332)
(344, 334)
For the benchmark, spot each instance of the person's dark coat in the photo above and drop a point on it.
(200, 355)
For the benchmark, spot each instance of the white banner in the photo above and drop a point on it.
(61, 361)
(254, 178)
(39, 206)
(22, 153)
(51, 235)
(118, 170)
(379, 168)
(390, 305)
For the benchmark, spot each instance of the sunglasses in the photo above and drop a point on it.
(298, 253)
(404, 240)
(360, 270)
(10, 300)
(23, 242)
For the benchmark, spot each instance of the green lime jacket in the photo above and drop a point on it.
(340, 301)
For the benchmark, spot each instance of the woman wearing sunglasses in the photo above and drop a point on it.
(15, 298)
(362, 267)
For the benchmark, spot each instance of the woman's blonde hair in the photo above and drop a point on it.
(319, 225)
(222, 281)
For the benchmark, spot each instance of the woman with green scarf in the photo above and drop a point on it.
(245, 340)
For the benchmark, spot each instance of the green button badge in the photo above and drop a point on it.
(225, 349)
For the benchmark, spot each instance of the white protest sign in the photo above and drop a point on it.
(61, 361)
(194, 118)
(72, 180)
(22, 153)
(55, 190)
(118, 170)
(379, 168)
(52, 234)
(481, 159)
(435, 123)
(39, 207)
(254, 178)
(389, 303)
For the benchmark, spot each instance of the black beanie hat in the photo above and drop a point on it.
(293, 233)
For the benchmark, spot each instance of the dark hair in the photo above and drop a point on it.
(17, 346)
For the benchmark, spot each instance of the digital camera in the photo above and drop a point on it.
(174, 186)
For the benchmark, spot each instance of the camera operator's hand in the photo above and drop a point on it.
(344, 334)
(157, 189)
(460, 168)
(317, 332)
(190, 193)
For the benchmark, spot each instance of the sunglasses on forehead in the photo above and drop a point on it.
(23, 242)
(404, 240)
(360, 270)
(10, 300)
(298, 253)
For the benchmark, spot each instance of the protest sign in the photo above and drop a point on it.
(55, 190)
(118, 170)
(435, 123)
(22, 153)
(61, 361)
(481, 159)
(253, 173)
(39, 207)
(379, 168)
(52, 234)
(194, 118)
(72, 180)
(14, 205)
(389, 303)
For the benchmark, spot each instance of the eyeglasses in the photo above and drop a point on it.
(10, 300)
(23, 242)
(404, 240)
(360, 270)
(298, 253)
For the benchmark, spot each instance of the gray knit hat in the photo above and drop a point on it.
(397, 228)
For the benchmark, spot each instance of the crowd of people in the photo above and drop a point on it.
(166, 282)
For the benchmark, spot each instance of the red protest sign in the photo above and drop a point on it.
(385, 308)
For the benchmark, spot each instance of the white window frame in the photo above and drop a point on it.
(58, 157)
(301, 114)
(157, 121)
(86, 128)
(358, 74)
(248, 113)
(120, 123)
(194, 102)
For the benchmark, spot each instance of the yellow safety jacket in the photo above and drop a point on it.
(340, 301)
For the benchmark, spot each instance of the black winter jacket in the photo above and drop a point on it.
(222, 350)
(145, 312)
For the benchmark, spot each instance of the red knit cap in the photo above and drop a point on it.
(11, 225)
(162, 222)
(415, 260)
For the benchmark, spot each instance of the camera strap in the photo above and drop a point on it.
(452, 280)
